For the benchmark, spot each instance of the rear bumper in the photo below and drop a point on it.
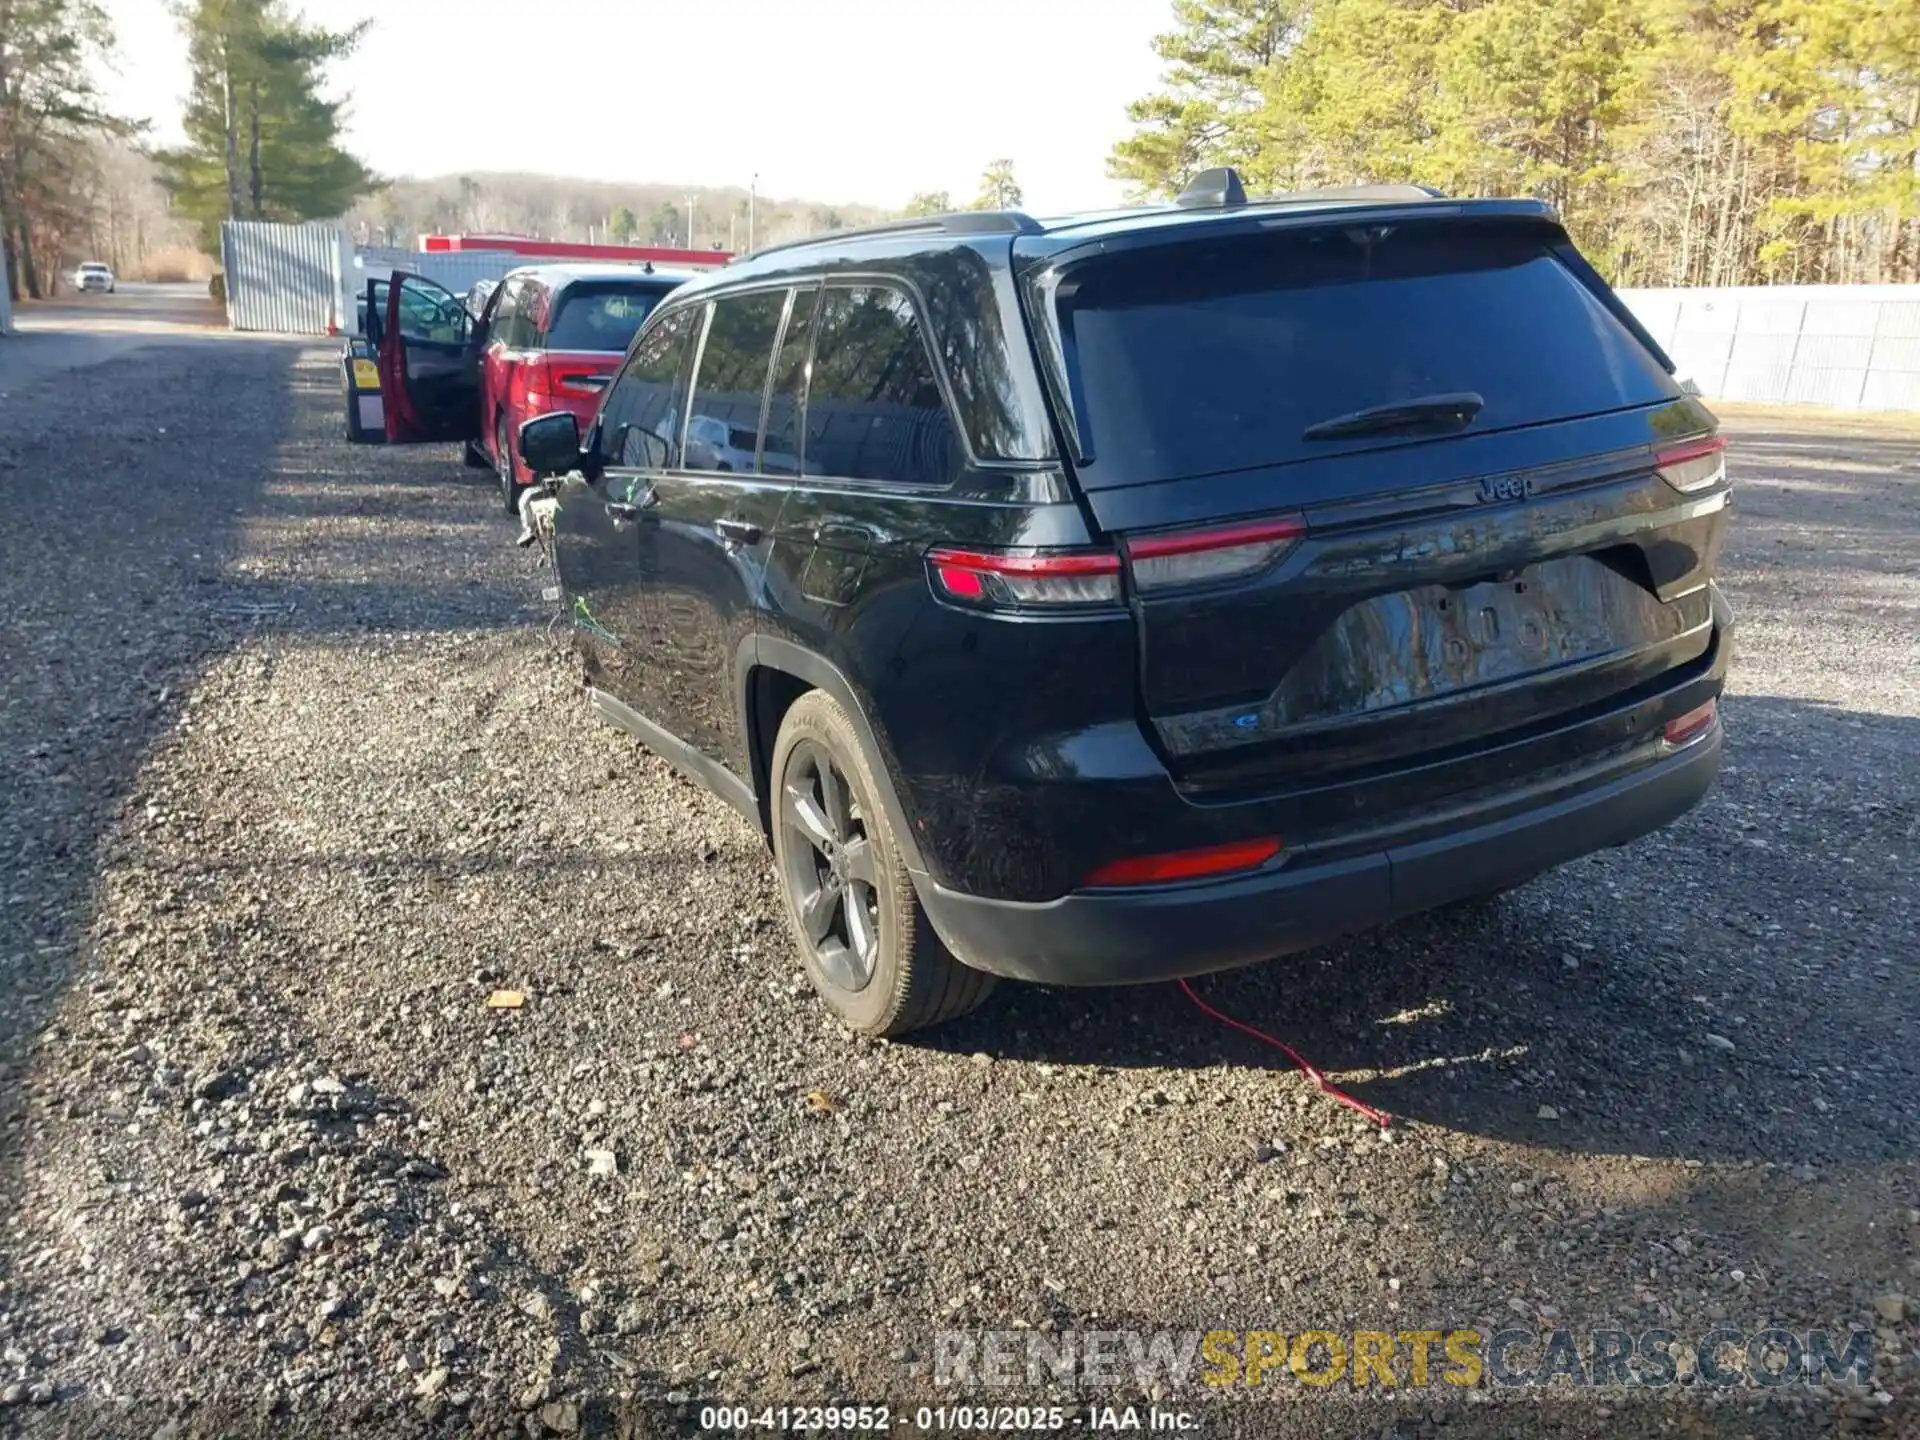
(1113, 937)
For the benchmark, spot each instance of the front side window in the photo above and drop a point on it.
(640, 421)
(723, 426)
(874, 408)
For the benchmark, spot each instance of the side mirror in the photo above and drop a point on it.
(550, 444)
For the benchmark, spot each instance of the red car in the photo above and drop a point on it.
(550, 338)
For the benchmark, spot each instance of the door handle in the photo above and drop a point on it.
(633, 509)
(739, 532)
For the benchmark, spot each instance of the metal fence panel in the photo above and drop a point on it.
(6, 306)
(458, 270)
(282, 277)
(1854, 347)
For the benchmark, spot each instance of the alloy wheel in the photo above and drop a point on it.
(830, 869)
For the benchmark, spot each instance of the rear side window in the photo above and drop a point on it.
(507, 320)
(874, 409)
(1217, 356)
(640, 419)
(600, 315)
(723, 425)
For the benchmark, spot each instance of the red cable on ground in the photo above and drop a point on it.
(1379, 1117)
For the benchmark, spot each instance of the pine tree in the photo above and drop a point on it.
(1684, 142)
(262, 141)
(998, 189)
(1217, 61)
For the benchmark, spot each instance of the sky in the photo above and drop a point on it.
(830, 100)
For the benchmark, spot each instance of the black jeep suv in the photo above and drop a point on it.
(1136, 595)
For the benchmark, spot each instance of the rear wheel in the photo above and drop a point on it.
(863, 937)
(503, 463)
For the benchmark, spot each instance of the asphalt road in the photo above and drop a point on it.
(296, 774)
(75, 331)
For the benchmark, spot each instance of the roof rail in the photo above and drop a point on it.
(1222, 187)
(960, 222)
(1356, 192)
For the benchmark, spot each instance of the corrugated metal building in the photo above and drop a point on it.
(1851, 347)
(284, 277)
(459, 271)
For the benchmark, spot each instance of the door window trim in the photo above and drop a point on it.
(813, 288)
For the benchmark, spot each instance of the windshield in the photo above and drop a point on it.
(602, 315)
(1222, 355)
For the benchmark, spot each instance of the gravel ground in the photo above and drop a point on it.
(296, 774)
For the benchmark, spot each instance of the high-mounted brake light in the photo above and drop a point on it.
(1693, 464)
(1200, 557)
(1187, 864)
(1038, 577)
(1683, 728)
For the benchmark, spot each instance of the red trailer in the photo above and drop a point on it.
(568, 250)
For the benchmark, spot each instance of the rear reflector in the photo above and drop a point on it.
(1043, 578)
(1683, 728)
(1200, 557)
(1187, 864)
(1693, 464)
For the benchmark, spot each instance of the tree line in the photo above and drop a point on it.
(1685, 142)
(561, 207)
(52, 120)
(262, 139)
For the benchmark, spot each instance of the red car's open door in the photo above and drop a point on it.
(428, 359)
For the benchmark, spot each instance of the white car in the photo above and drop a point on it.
(714, 445)
(93, 276)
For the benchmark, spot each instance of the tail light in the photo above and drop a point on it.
(1038, 578)
(1202, 557)
(1693, 464)
(1187, 864)
(575, 379)
(1156, 562)
(1683, 728)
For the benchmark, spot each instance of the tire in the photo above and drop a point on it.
(503, 466)
(474, 457)
(868, 947)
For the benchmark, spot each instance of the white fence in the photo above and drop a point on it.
(1852, 347)
(306, 279)
(458, 270)
(283, 277)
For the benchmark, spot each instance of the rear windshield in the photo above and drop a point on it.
(602, 314)
(1203, 358)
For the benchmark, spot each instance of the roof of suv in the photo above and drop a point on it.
(560, 276)
(1215, 197)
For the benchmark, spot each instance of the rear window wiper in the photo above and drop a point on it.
(1423, 412)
